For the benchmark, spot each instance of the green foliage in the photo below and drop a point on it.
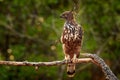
(30, 31)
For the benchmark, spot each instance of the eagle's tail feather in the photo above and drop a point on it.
(71, 70)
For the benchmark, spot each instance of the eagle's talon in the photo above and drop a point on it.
(75, 60)
(68, 61)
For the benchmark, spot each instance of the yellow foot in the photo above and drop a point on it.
(75, 60)
(67, 58)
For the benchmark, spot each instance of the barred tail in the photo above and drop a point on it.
(71, 70)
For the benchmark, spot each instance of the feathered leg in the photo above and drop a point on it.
(74, 60)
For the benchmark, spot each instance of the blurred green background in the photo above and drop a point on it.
(30, 31)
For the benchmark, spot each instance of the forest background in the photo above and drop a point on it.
(30, 30)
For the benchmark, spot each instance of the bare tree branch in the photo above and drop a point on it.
(91, 58)
(99, 61)
(53, 63)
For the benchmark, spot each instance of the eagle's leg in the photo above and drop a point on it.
(74, 59)
(67, 58)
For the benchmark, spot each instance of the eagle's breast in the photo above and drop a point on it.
(72, 33)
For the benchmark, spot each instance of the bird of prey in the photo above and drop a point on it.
(71, 40)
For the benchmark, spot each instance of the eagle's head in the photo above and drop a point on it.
(67, 15)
